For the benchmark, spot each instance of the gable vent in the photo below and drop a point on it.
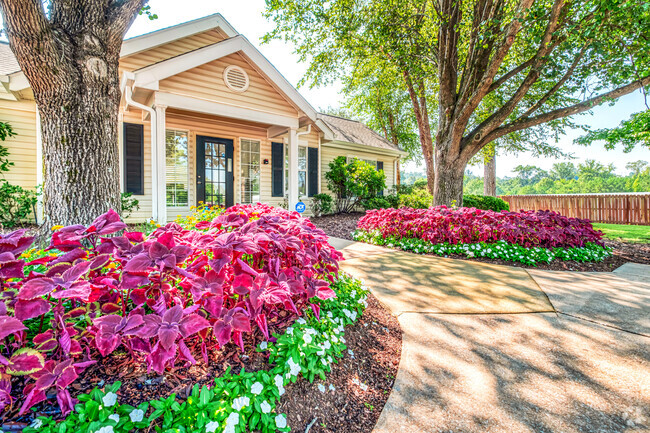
(235, 78)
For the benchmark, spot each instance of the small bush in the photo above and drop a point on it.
(353, 182)
(375, 203)
(16, 204)
(129, 204)
(485, 202)
(417, 199)
(321, 204)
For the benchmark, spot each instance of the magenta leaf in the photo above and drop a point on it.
(10, 325)
(28, 309)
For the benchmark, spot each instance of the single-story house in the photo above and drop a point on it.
(205, 117)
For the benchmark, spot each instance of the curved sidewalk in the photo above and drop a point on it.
(490, 348)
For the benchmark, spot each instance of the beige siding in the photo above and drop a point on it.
(329, 153)
(21, 115)
(206, 82)
(169, 50)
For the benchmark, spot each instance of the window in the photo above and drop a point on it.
(177, 168)
(302, 170)
(250, 171)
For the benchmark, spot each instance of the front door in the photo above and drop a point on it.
(214, 171)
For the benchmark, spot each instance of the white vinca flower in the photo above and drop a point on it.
(321, 387)
(301, 321)
(240, 402)
(290, 330)
(115, 417)
(106, 429)
(281, 421)
(265, 406)
(109, 399)
(278, 380)
(37, 423)
(264, 345)
(294, 368)
(307, 338)
(136, 415)
(231, 422)
(211, 427)
(257, 388)
(327, 345)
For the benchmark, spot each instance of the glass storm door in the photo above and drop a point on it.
(214, 171)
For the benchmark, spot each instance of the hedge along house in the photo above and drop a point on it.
(204, 118)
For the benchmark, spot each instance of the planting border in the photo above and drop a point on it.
(235, 402)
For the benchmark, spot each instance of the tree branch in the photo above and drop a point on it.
(528, 122)
(123, 13)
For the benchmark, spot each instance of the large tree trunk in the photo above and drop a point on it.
(70, 59)
(490, 175)
(449, 174)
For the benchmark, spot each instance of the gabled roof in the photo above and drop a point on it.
(352, 131)
(149, 76)
(156, 38)
(8, 62)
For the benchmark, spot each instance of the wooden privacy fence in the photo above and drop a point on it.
(621, 208)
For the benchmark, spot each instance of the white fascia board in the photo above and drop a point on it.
(146, 77)
(362, 148)
(18, 81)
(224, 110)
(169, 34)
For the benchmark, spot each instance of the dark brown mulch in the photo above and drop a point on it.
(376, 344)
(342, 226)
(339, 226)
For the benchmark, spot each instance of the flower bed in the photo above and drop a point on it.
(528, 237)
(166, 300)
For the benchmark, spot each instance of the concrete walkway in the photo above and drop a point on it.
(498, 349)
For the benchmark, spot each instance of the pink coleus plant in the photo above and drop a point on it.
(165, 298)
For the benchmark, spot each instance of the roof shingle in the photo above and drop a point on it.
(352, 131)
(8, 63)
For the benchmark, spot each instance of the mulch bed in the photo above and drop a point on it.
(342, 226)
(375, 341)
(362, 380)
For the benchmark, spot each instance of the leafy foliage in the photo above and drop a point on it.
(164, 299)
(468, 226)
(485, 202)
(235, 402)
(353, 182)
(630, 133)
(498, 250)
(321, 204)
(129, 204)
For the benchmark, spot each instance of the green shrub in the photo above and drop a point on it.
(353, 182)
(16, 204)
(418, 199)
(485, 202)
(375, 203)
(321, 204)
(129, 204)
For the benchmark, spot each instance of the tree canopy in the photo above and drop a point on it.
(476, 71)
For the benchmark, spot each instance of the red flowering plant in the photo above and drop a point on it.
(168, 298)
(440, 224)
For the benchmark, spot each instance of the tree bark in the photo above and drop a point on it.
(490, 176)
(71, 62)
(449, 173)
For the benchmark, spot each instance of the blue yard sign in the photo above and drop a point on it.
(300, 207)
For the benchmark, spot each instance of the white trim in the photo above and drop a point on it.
(158, 166)
(293, 169)
(363, 148)
(225, 110)
(179, 31)
(39, 166)
(149, 75)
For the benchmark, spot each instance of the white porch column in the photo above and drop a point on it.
(39, 168)
(158, 172)
(293, 169)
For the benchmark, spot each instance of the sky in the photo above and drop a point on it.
(246, 16)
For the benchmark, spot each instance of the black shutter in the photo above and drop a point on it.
(134, 158)
(380, 167)
(277, 169)
(312, 170)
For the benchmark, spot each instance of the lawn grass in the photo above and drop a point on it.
(625, 233)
